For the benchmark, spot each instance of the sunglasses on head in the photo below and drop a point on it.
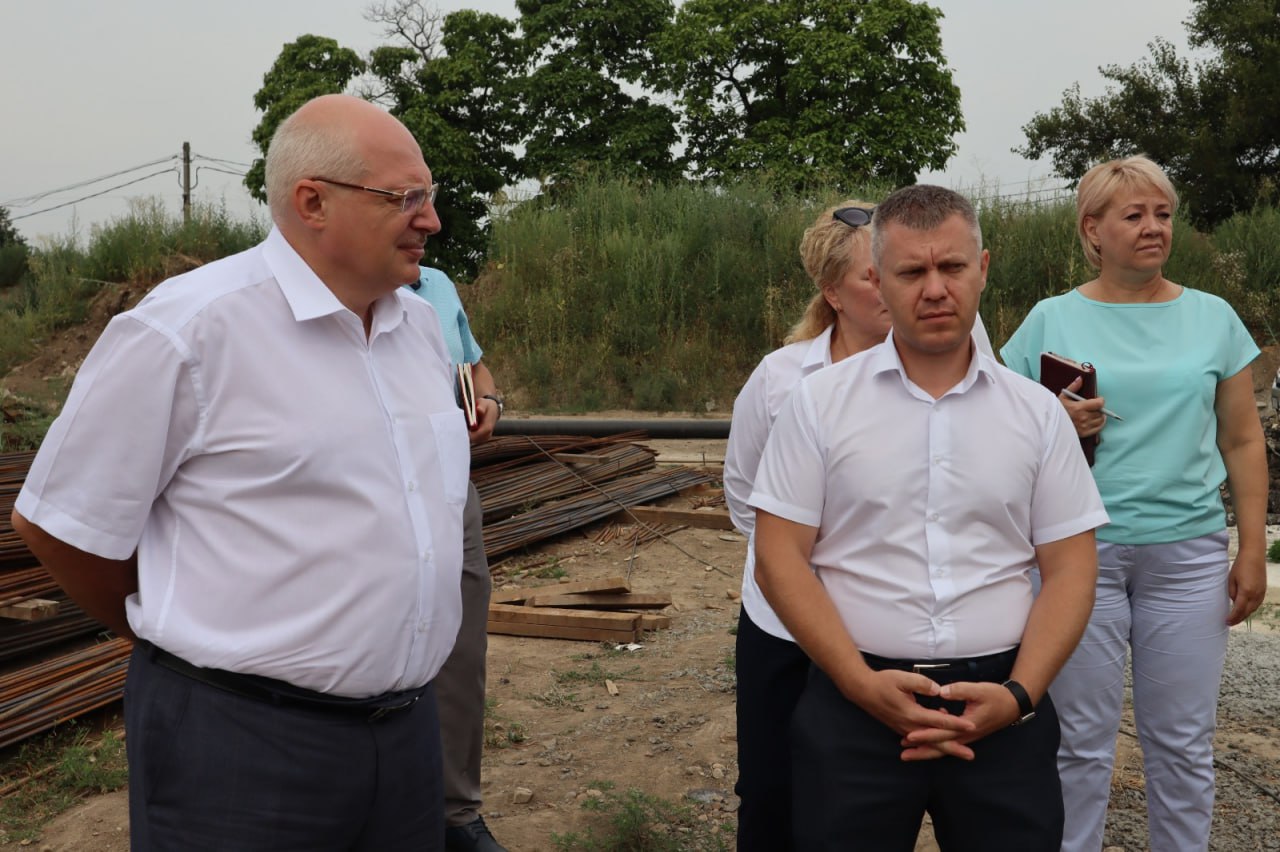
(854, 217)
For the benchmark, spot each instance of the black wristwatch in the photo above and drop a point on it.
(1026, 710)
(497, 399)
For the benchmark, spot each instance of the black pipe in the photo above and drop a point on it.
(658, 427)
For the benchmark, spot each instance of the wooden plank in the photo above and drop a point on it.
(649, 621)
(559, 631)
(35, 609)
(515, 596)
(707, 519)
(602, 600)
(565, 617)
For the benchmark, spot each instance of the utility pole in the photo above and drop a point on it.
(186, 183)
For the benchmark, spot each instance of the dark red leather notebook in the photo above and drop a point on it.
(1058, 371)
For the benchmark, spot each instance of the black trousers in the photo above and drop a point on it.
(852, 790)
(771, 676)
(212, 770)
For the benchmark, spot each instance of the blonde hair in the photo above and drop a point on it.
(826, 250)
(1102, 183)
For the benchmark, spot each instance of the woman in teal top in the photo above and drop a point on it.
(1174, 363)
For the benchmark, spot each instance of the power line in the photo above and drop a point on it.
(224, 162)
(93, 195)
(28, 200)
(216, 169)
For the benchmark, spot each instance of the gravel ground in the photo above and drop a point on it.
(1247, 756)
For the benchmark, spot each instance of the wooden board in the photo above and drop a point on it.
(707, 519)
(514, 596)
(35, 609)
(508, 614)
(654, 622)
(602, 600)
(560, 631)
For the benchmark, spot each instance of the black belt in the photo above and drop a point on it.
(270, 691)
(993, 668)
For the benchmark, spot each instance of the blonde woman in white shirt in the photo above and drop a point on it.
(843, 318)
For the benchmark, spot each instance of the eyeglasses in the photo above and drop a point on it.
(854, 217)
(411, 200)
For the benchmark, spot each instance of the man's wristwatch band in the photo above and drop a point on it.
(1026, 710)
(497, 399)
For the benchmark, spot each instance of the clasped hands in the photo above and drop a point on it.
(890, 696)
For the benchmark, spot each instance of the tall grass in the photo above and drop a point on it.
(622, 294)
(143, 246)
(652, 297)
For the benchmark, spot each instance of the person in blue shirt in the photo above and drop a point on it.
(460, 684)
(1174, 363)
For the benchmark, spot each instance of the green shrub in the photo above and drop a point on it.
(637, 822)
(143, 244)
(13, 263)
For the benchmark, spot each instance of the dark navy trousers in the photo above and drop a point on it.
(212, 770)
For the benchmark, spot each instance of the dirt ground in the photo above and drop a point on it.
(558, 735)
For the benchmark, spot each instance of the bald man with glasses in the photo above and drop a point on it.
(259, 474)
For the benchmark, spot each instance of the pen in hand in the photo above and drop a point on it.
(1078, 398)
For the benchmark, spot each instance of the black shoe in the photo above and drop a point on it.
(472, 837)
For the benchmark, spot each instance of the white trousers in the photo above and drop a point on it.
(1168, 604)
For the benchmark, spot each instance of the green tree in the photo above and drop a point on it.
(577, 113)
(13, 251)
(454, 82)
(306, 68)
(841, 92)
(1214, 125)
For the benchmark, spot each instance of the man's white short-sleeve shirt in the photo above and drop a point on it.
(928, 511)
(754, 410)
(293, 489)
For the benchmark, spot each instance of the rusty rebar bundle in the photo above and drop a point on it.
(40, 696)
(531, 489)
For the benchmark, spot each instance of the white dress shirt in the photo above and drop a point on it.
(928, 511)
(294, 490)
(754, 411)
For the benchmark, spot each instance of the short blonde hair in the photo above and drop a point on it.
(1102, 183)
(826, 250)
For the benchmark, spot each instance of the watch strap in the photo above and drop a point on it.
(1026, 710)
(498, 400)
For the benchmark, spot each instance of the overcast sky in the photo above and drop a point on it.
(94, 88)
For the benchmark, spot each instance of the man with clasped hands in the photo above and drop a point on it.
(260, 473)
(903, 497)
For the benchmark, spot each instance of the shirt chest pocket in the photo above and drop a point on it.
(454, 453)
